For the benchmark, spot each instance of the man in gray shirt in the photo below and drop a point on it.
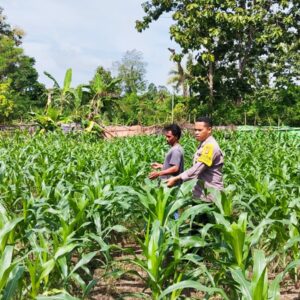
(207, 165)
(173, 164)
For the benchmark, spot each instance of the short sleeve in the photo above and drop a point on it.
(207, 155)
(176, 158)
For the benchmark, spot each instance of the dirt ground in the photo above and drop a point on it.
(120, 288)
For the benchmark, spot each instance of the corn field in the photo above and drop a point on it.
(69, 203)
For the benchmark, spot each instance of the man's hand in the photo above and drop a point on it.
(172, 181)
(156, 165)
(153, 175)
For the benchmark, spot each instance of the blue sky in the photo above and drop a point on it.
(82, 35)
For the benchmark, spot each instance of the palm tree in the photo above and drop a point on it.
(180, 75)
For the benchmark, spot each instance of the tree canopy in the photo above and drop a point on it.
(239, 46)
(17, 70)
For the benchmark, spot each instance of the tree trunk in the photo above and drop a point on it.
(49, 100)
(211, 86)
(184, 88)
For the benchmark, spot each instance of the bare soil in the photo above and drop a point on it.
(109, 288)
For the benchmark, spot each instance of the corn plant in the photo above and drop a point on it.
(7, 229)
(66, 197)
(10, 273)
(259, 287)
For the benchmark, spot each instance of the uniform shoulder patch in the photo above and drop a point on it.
(206, 155)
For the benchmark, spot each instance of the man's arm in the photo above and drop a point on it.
(205, 160)
(156, 165)
(169, 171)
(189, 174)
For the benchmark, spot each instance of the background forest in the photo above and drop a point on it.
(238, 62)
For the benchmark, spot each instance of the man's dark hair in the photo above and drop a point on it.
(175, 129)
(208, 122)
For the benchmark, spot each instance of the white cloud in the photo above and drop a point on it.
(83, 35)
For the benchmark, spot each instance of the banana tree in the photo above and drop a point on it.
(60, 96)
(103, 95)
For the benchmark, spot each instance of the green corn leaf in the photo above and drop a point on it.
(47, 268)
(244, 285)
(6, 265)
(86, 258)
(78, 279)
(12, 285)
(259, 282)
(118, 228)
(57, 297)
(154, 257)
(62, 261)
(236, 238)
(258, 231)
(89, 287)
(274, 288)
(104, 246)
(173, 207)
(8, 227)
(192, 211)
(194, 285)
(259, 265)
(260, 290)
(64, 250)
(5, 259)
(221, 220)
(192, 241)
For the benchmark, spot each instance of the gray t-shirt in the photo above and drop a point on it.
(174, 157)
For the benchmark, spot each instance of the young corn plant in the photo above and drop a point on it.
(235, 242)
(165, 256)
(11, 272)
(257, 289)
(292, 245)
(256, 286)
(234, 236)
(42, 265)
(170, 268)
(7, 228)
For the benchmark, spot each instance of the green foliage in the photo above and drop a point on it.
(67, 198)
(60, 97)
(241, 49)
(6, 103)
(104, 90)
(239, 63)
(19, 70)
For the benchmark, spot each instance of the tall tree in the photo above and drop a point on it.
(238, 44)
(17, 68)
(131, 71)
